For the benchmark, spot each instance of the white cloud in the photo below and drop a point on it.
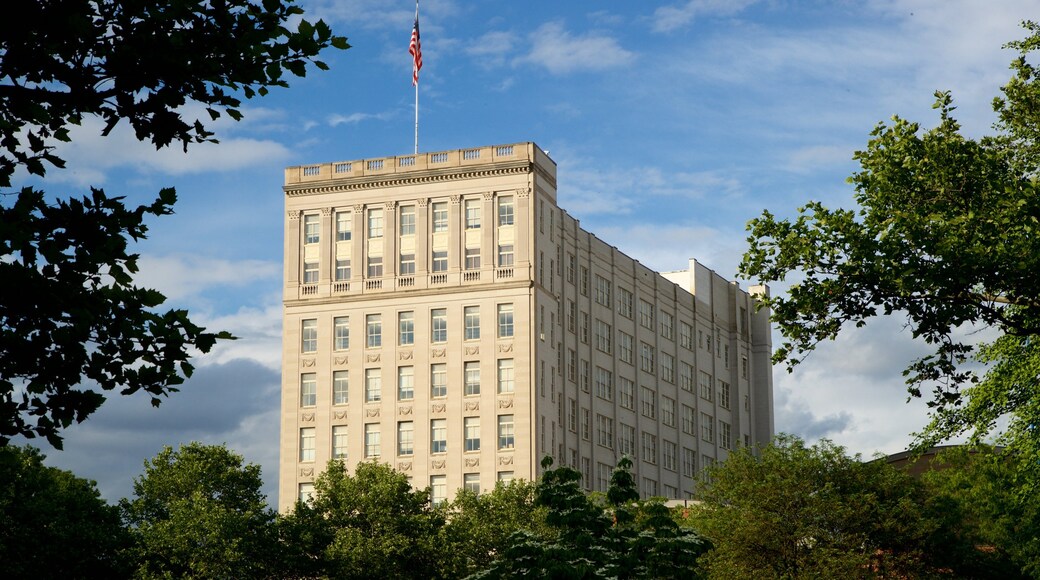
(560, 52)
(337, 119)
(181, 277)
(493, 48)
(669, 18)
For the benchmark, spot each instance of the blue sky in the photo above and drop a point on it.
(672, 124)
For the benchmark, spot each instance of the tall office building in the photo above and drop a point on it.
(445, 316)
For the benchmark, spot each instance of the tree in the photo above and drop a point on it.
(72, 323)
(369, 525)
(54, 524)
(793, 511)
(948, 234)
(198, 512)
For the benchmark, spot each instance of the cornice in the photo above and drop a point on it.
(398, 293)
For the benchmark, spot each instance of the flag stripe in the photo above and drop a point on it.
(416, 51)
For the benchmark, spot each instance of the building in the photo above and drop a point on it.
(444, 315)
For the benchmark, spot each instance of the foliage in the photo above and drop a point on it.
(369, 525)
(948, 234)
(72, 323)
(198, 512)
(793, 511)
(54, 524)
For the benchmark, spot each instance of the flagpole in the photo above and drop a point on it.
(416, 83)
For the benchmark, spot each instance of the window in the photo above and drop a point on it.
(471, 433)
(308, 390)
(471, 482)
(309, 335)
(505, 255)
(375, 223)
(649, 487)
(472, 258)
(688, 421)
(603, 335)
(375, 266)
(649, 400)
(438, 489)
(471, 322)
(669, 455)
(668, 411)
(667, 367)
(342, 269)
(407, 265)
(572, 415)
(505, 320)
(627, 440)
(343, 224)
(373, 385)
(605, 472)
(626, 393)
(686, 376)
(624, 303)
(339, 442)
(649, 447)
(439, 380)
(340, 387)
(585, 327)
(472, 377)
(505, 210)
(724, 394)
(586, 427)
(743, 367)
(505, 375)
(407, 216)
(602, 295)
(625, 348)
(505, 432)
(307, 444)
(604, 384)
(374, 330)
(586, 376)
(646, 357)
(724, 435)
(646, 314)
(685, 335)
(405, 438)
(438, 436)
(506, 477)
(667, 326)
(440, 217)
(472, 208)
(605, 431)
(405, 383)
(311, 229)
(438, 325)
(310, 272)
(372, 440)
(306, 492)
(689, 463)
(341, 333)
(584, 280)
(406, 328)
(704, 380)
(440, 261)
(572, 364)
(707, 428)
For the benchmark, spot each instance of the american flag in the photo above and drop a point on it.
(415, 50)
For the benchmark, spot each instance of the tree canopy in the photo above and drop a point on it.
(73, 324)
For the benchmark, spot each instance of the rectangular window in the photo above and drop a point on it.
(439, 325)
(472, 377)
(471, 482)
(667, 367)
(605, 431)
(438, 436)
(668, 411)
(649, 399)
(602, 295)
(707, 428)
(307, 444)
(339, 442)
(627, 440)
(586, 376)
(310, 272)
(505, 432)
(407, 265)
(505, 255)
(686, 376)
(405, 438)
(626, 393)
(586, 425)
(407, 216)
(689, 464)
(624, 303)
(506, 477)
(308, 390)
(585, 327)
(604, 384)
(646, 357)
(649, 487)
(472, 207)
(669, 452)
(373, 385)
(603, 336)
(505, 210)
(649, 447)
(440, 261)
(724, 394)
(505, 320)
(688, 420)
(306, 492)
(341, 333)
(505, 375)
(375, 223)
(625, 353)
(685, 335)
(440, 217)
(406, 328)
(704, 380)
(343, 226)
(439, 380)
(646, 315)
(667, 326)
(309, 335)
(340, 387)
(372, 440)
(373, 331)
(472, 261)
(471, 433)
(471, 322)
(375, 266)
(342, 269)
(724, 435)
(572, 415)
(743, 367)
(605, 473)
(405, 383)
(438, 489)
(311, 229)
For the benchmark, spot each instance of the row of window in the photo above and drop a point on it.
(438, 486)
(438, 430)
(605, 424)
(405, 383)
(405, 328)
(406, 265)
